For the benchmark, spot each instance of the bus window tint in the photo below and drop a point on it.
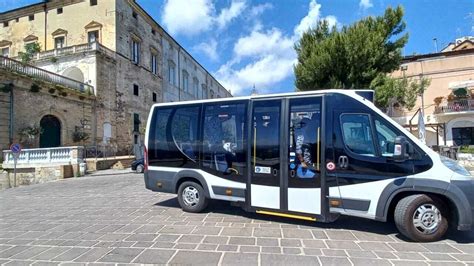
(224, 139)
(184, 129)
(158, 144)
(305, 137)
(386, 138)
(357, 134)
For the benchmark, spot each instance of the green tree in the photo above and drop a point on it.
(354, 57)
(30, 50)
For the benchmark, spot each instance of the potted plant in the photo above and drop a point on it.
(438, 100)
(79, 135)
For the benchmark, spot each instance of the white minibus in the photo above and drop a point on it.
(307, 155)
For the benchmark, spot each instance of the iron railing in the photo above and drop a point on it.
(461, 105)
(39, 73)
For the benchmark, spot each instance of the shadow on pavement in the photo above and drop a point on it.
(344, 222)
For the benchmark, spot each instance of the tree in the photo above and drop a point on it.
(30, 50)
(355, 57)
(403, 91)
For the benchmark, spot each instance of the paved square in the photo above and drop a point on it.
(110, 219)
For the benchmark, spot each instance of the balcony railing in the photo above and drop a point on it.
(61, 155)
(69, 50)
(461, 105)
(36, 72)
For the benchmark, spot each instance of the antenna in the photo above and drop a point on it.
(254, 91)
(435, 40)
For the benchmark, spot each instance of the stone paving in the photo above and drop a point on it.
(112, 219)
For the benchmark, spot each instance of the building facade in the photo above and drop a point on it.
(448, 102)
(114, 47)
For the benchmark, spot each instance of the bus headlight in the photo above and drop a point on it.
(454, 166)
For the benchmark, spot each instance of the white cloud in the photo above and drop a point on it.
(270, 58)
(259, 9)
(188, 17)
(365, 4)
(309, 20)
(197, 16)
(265, 58)
(208, 48)
(228, 14)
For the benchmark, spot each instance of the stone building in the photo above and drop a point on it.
(113, 47)
(449, 99)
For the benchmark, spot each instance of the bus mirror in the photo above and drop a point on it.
(401, 150)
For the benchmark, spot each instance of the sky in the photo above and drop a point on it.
(247, 43)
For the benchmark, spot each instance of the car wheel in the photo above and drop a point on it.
(140, 168)
(421, 218)
(191, 197)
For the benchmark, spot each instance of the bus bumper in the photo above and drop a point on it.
(159, 182)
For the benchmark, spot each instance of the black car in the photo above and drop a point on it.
(138, 165)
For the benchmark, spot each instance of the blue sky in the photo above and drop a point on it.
(250, 42)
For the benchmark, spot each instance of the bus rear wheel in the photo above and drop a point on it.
(191, 197)
(421, 218)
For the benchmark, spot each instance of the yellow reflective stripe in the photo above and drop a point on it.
(287, 215)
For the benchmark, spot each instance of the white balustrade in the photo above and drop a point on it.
(61, 155)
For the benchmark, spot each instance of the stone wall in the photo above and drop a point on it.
(4, 121)
(69, 106)
(38, 175)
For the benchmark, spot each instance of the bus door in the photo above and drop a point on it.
(304, 158)
(265, 154)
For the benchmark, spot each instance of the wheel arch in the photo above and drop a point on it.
(188, 175)
(452, 196)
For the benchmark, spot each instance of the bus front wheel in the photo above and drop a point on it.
(191, 197)
(421, 217)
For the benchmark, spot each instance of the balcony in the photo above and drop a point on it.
(461, 105)
(44, 75)
(70, 50)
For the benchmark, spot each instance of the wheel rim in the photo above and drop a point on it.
(139, 169)
(190, 196)
(427, 218)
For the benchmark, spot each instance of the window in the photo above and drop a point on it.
(204, 91)
(357, 135)
(136, 123)
(134, 15)
(224, 139)
(463, 136)
(184, 129)
(185, 81)
(153, 63)
(92, 36)
(154, 97)
(59, 10)
(135, 89)
(59, 42)
(158, 148)
(195, 87)
(6, 51)
(305, 142)
(153, 32)
(386, 138)
(135, 51)
(31, 17)
(17, 20)
(93, 2)
(5, 24)
(171, 73)
(212, 94)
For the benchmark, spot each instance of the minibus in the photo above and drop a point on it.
(306, 155)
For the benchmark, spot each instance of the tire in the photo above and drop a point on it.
(140, 168)
(421, 218)
(191, 197)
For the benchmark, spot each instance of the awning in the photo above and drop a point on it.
(461, 84)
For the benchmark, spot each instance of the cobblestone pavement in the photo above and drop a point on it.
(113, 219)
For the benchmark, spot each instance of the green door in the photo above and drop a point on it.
(51, 132)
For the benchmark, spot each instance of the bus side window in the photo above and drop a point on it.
(357, 134)
(224, 139)
(386, 138)
(184, 129)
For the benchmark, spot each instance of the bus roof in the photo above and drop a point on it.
(287, 94)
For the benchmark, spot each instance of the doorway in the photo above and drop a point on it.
(51, 132)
